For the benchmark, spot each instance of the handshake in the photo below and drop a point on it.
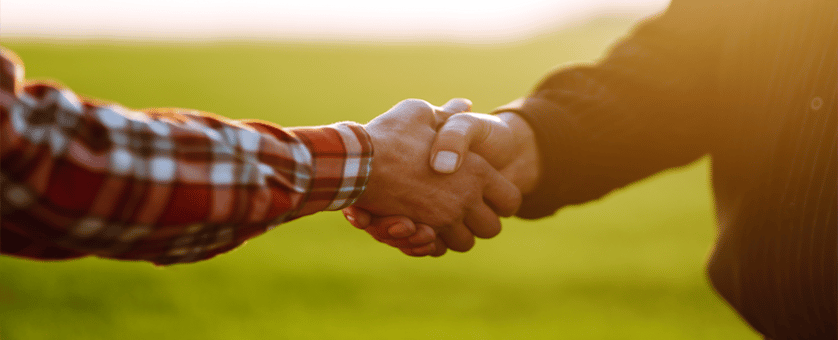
(442, 176)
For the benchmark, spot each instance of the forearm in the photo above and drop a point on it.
(649, 105)
(162, 185)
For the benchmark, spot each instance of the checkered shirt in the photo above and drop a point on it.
(81, 177)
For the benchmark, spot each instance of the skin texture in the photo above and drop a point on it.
(506, 141)
(458, 206)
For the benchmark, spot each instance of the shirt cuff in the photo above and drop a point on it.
(341, 156)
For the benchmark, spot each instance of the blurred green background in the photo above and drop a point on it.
(629, 266)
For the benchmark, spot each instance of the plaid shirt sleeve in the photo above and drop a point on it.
(164, 185)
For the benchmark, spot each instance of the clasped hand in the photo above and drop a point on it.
(441, 177)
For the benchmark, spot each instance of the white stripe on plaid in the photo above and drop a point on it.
(352, 168)
(138, 163)
(304, 167)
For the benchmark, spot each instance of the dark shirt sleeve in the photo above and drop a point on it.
(647, 106)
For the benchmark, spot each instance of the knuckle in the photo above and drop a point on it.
(457, 129)
(463, 118)
(417, 105)
(464, 102)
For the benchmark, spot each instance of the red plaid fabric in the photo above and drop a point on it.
(165, 185)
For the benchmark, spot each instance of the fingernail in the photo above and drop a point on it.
(398, 230)
(350, 219)
(445, 161)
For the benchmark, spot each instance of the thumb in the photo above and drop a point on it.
(453, 140)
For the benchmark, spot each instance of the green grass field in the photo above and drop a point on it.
(629, 266)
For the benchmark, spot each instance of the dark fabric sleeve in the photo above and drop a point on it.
(647, 106)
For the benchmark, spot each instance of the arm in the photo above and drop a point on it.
(166, 186)
(648, 106)
(587, 130)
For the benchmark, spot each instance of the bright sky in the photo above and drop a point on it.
(375, 20)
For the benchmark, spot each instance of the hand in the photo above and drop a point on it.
(398, 232)
(505, 140)
(461, 205)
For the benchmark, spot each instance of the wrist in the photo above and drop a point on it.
(330, 159)
(525, 169)
(374, 164)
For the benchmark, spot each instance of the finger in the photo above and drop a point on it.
(357, 217)
(458, 238)
(402, 228)
(482, 221)
(503, 196)
(454, 139)
(416, 110)
(391, 227)
(439, 248)
(424, 235)
(452, 107)
(424, 250)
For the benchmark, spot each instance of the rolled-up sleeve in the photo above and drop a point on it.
(81, 177)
